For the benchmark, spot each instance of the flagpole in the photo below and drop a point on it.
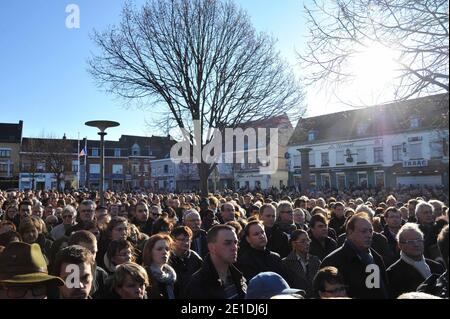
(78, 170)
(85, 162)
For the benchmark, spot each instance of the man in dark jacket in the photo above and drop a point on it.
(407, 273)
(393, 220)
(87, 240)
(427, 224)
(218, 278)
(183, 260)
(362, 268)
(438, 285)
(338, 219)
(199, 242)
(253, 256)
(277, 240)
(321, 244)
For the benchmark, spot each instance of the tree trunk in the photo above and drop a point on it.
(203, 173)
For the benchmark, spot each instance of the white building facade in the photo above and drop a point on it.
(416, 155)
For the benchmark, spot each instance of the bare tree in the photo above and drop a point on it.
(198, 60)
(416, 29)
(30, 157)
(57, 155)
(54, 154)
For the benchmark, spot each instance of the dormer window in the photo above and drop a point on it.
(135, 150)
(312, 135)
(414, 122)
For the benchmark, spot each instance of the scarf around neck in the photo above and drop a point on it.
(421, 266)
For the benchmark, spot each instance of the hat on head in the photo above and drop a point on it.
(22, 263)
(268, 284)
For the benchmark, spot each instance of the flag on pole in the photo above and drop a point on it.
(83, 151)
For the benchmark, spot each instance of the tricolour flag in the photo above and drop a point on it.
(83, 151)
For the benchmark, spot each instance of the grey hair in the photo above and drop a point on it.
(70, 209)
(420, 207)
(283, 204)
(408, 227)
(190, 212)
(362, 208)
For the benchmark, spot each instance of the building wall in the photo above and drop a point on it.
(410, 143)
(9, 174)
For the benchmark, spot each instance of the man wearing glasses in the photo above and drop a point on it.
(69, 216)
(86, 215)
(407, 273)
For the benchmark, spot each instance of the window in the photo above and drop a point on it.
(378, 155)
(5, 153)
(436, 149)
(117, 152)
(257, 184)
(340, 158)
(95, 152)
(396, 153)
(379, 179)
(135, 150)
(166, 169)
(362, 158)
(362, 179)
(74, 166)
(3, 168)
(40, 167)
(146, 168)
(312, 159)
(311, 135)
(325, 159)
(340, 180)
(414, 122)
(117, 169)
(326, 180)
(94, 168)
(415, 151)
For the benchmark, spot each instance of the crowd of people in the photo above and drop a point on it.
(365, 243)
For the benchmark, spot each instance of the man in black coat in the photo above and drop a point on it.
(183, 260)
(361, 267)
(438, 285)
(193, 221)
(218, 278)
(407, 273)
(393, 220)
(321, 244)
(277, 240)
(338, 220)
(253, 256)
(427, 224)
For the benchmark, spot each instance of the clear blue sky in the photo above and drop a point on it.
(43, 77)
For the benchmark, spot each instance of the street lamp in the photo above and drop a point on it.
(102, 126)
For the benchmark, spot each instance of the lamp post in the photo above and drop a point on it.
(102, 126)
